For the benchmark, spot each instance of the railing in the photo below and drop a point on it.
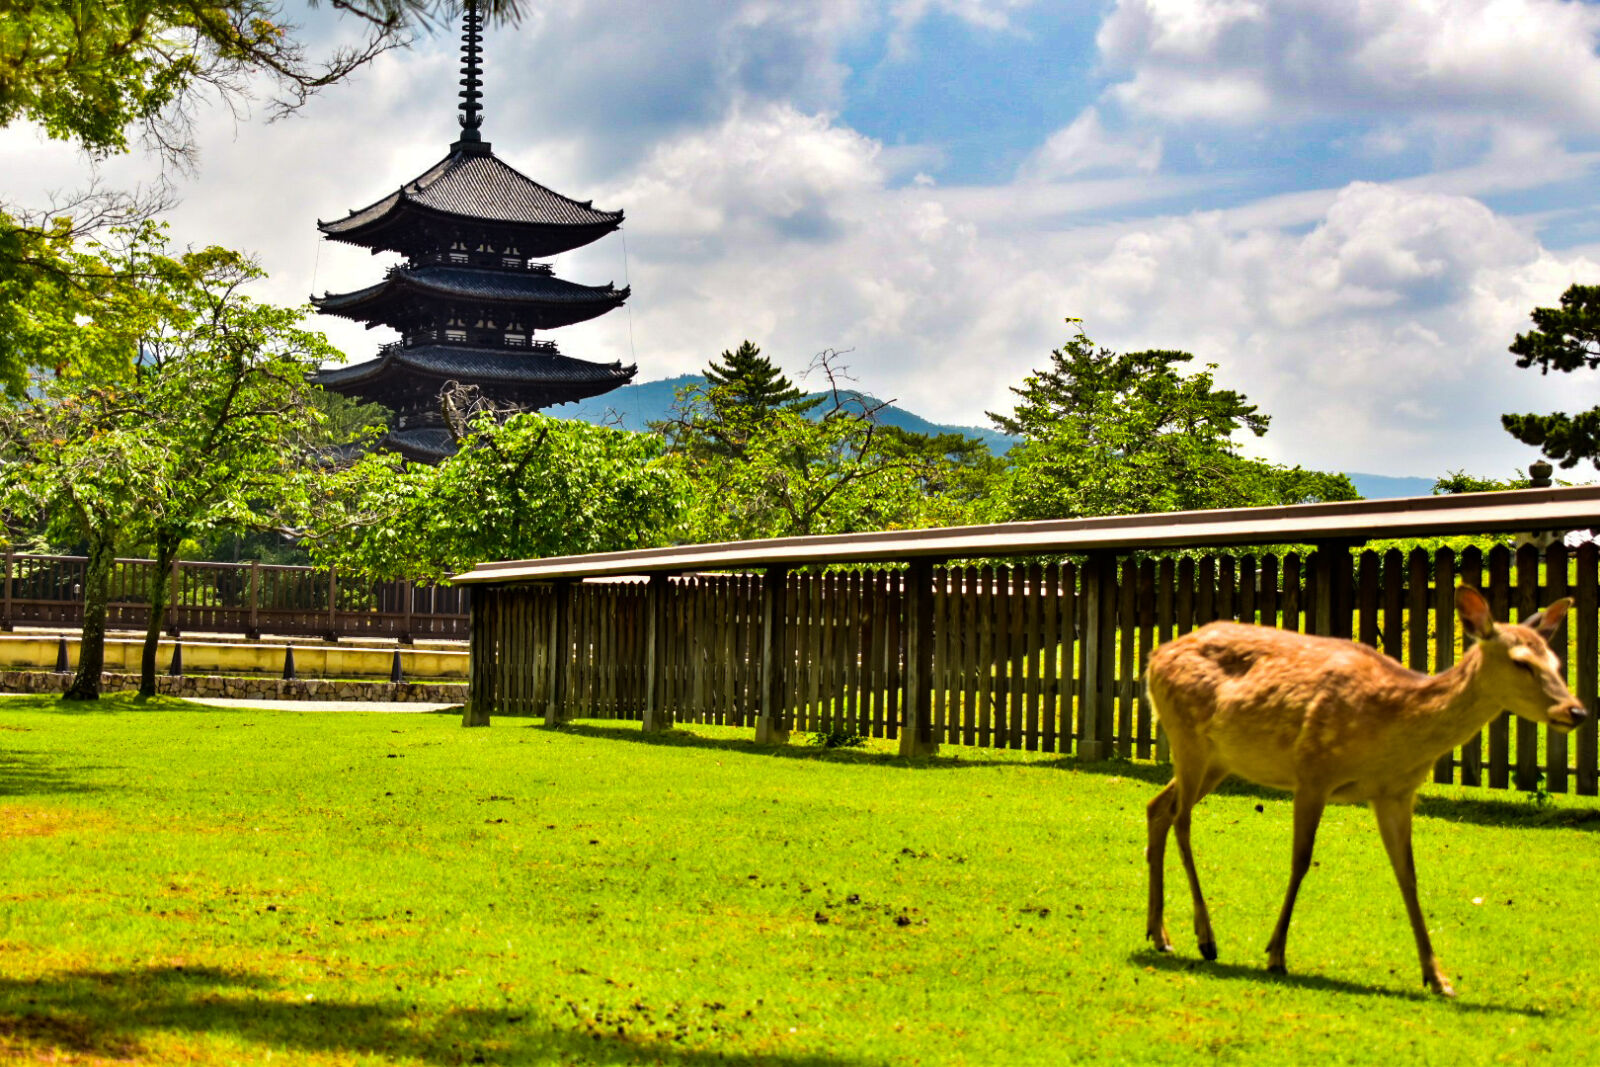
(243, 598)
(1037, 657)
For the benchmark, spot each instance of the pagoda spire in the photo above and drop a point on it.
(471, 49)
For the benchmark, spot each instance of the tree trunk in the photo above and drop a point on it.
(96, 592)
(160, 594)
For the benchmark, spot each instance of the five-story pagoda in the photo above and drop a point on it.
(471, 293)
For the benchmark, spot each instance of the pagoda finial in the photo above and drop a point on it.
(471, 49)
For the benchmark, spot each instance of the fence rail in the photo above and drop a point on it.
(245, 598)
(1045, 658)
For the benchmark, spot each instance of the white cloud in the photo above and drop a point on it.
(1086, 146)
(1475, 61)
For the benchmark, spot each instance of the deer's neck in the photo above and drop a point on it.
(1454, 703)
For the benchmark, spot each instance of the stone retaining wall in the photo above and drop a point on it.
(194, 685)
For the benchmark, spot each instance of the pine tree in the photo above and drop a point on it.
(750, 380)
(1566, 339)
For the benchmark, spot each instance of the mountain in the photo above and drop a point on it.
(1385, 486)
(634, 407)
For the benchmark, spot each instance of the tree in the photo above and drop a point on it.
(215, 420)
(89, 73)
(522, 488)
(1106, 433)
(1565, 338)
(808, 467)
(739, 396)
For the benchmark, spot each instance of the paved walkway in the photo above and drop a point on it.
(386, 707)
(383, 706)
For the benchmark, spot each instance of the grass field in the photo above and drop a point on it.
(187, 885)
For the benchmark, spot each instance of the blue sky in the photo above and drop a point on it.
(1348, 208)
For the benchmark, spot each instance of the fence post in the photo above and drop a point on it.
(174, 587)
(1096, 708)
(409, 593)
(555, 708)
(916, 706)
(1331, 580)
(656, 717)
(333, 604)
(772, 721)
(254, 633)
(479, 671)
(6, 621)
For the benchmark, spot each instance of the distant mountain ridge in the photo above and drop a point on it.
(634, 407)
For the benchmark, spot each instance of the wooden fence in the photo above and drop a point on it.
(1044, 658)
(243, 598)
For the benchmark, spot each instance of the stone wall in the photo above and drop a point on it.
(195, 685)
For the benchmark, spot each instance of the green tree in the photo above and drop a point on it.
(1459, 481)
(1106, 433)
(527, 487)
(1564, 339)
(214, 421)
(811, 467)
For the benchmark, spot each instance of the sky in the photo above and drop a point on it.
(1348, 208)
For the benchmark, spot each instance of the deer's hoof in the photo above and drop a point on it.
(1208, 949)
(1277, 968)
(1438, 983)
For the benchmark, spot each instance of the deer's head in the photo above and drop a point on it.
(1523, 673)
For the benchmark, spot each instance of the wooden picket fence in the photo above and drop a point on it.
(244, 598)
(1046, 658)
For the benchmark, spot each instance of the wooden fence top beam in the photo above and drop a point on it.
(1345, 521)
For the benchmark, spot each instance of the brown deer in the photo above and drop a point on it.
(1333, 720)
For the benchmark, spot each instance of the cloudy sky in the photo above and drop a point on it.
(1348, 207)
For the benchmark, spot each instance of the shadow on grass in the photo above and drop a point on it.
(1163, 961)
(26, 774)
(110, 1014)
(796, 749)
(1513, 810)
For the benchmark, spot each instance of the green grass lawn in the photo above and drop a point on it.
(196, 885)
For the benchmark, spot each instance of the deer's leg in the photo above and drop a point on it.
(1394, 823)
(1193, 788)
(1308, 805)
(1159, 815)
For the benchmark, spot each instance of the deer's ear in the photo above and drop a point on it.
(1548, 620)
(1474, 612)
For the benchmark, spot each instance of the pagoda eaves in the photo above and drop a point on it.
(521, 300)
(471, 192)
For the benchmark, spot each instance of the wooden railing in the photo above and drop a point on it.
(1038, 657)
(243, 598)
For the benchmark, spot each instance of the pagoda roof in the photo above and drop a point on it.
(472, 185)
(516, 366)
(548, 301)
(425, 444)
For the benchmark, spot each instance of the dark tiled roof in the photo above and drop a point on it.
(479, 186)
(479, 366)
(522, 286)
(429, 444)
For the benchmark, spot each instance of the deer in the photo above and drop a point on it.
(1334, 721)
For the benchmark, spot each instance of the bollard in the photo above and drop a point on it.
(394, 667)
(288, 663)
(175, 668)
(63, 665)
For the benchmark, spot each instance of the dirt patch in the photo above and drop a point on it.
(35, 822)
